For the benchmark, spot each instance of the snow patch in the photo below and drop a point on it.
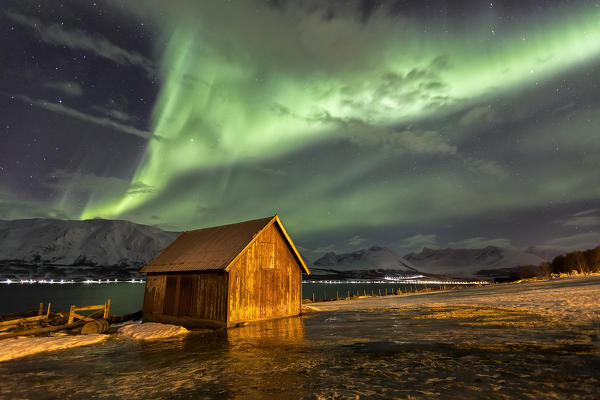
(152, 330)
(25, 346)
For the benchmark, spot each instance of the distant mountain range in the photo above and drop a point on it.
(470, 263)
(97, 248)
(455, 263)
(375, 262)
(100, 249)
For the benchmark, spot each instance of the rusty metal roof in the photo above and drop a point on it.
(212, 248)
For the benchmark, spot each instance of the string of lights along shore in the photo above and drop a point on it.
(409, 124)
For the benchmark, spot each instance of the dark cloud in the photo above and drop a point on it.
(73, 89)
(57, 34)
(73, 113)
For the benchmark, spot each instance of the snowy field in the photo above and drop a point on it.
(20, 347)
(532, 340)
(25, 346)
(576, 299)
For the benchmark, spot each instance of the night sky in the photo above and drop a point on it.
(398, 123)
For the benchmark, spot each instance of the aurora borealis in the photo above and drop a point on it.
(402, 123)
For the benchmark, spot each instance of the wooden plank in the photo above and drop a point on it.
(87, 308)
(106, 308)
(185, 296)
(159, 283)
(22, 320)
(170, 293)
(70, 314)
(149, 296)
(79, 316)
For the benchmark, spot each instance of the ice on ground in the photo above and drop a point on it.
(25, 346)
(152, 330)
(576, 299)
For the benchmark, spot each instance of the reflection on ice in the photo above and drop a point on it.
(445, 351)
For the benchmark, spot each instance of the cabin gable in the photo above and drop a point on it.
(265, 280)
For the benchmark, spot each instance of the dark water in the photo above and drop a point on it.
(127, 297)
(449, 352)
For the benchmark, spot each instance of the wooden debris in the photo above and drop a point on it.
(39, 331)
(6, 325)
(72, 314)
(26, 326)
(95, 326)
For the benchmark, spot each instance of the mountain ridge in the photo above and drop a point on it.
(468, 262)
(100, 248)
(86, 243)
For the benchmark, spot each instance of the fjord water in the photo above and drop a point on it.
(127, 297)
(426, 352)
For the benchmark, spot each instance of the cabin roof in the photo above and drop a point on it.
(215, 248)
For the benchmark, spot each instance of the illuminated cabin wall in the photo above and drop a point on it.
(266, 281)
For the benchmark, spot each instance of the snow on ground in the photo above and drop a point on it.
(576, 299)
(25, 346)
(151, 330)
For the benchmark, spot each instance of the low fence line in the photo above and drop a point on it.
(72, 311)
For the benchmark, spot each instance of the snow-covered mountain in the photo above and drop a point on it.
(467, 262)
(364, 263)
(96, 242)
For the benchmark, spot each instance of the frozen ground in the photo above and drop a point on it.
(439, 345)
(25, 346)
(576, 299)
(151, 331)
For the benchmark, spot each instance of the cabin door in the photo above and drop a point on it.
(170, 305)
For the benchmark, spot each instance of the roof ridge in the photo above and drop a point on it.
(223, 242)
(233, 223)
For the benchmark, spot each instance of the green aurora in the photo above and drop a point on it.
(399, 123)
(225, 103)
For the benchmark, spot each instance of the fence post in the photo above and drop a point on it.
(106, 308)
(70, 315)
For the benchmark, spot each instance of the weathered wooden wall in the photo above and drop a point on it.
(266, 281)
(154, 294)
(192, 295)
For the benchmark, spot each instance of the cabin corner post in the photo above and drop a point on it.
(227, 292)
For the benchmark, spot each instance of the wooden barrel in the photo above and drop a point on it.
(95, 326)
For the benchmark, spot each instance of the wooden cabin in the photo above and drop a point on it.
(225, 275)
